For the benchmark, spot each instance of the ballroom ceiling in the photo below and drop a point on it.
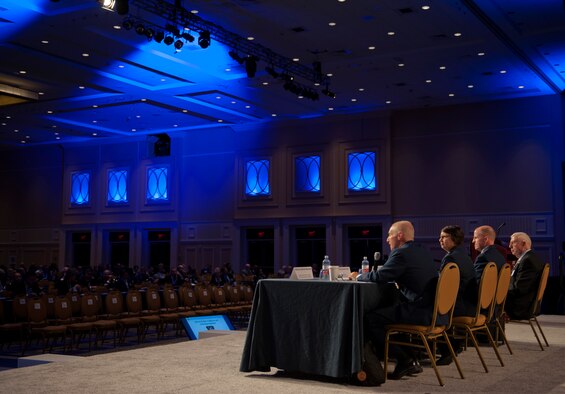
(71, 71)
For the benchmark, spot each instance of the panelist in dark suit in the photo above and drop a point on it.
(451, 240)
(483, 241)
(525, 277)
(415, 273)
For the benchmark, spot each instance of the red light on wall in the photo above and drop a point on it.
(260, 234)
(365, 233)
(311, 234)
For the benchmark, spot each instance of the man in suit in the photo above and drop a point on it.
(483, 241)
(525, 277)
(415, 273)
(451, 240)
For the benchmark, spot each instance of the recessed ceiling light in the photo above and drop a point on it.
(425, 7)
(8, 117)
(49, 112)
(194, 11)
(117, 27)
(480, 54)
(247, 106)
(56, 133)
(81, 87)
(28, 137)
(332, 24)
(22, 72)
(185, 111)
(273, 115)
(341, 1)
(330, 75)
(121, 66)
(85, 55)
(388, 101)
(361, 89)
(143, 99)
(354, 99)
(470, 86)
(175, 125)
(232, 102)
(442, 67)
(228, 69)
(57, 138)
(250, 38)
(400, 64)
(218, 97)
(133, 129)
(94, 134)
(138, 116)
(330, 108)
(521, 87)
(220, 121)
(295, 59)
(94, 106)
(503, 71)
(40, 93)
(390, 33)
(44, 42)
(265, 83)
(372, 48)
(428, 81)
(23, 141)
(94, 121)
(54, 126)
(4, 124)
(451, 94)
(16, 131)
(457, 34)
(163, 79)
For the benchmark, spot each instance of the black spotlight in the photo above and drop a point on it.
(178, 45)
(140, 29)
(127, 24)
(159, 36)
(250, 66)
(187, 36)
(271, 71)
(204, 39)
(149, 33)
(169, 40)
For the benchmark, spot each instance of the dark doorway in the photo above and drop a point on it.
(81, 248)
(310, 246)
(119, 249)
(260, 247)
(160, 248)
(363, 241)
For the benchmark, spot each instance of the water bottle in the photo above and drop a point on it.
(365, 265)
(325, 271)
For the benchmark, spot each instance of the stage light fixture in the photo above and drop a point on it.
(204, 39)
(149, 33)
(127, 24)
(250, 66)
(172, 29)
(271, 71)
(120, 6)
(328, 93)
(169, 40)
(140, 29)
(159, 36)
(178, 45)
(187, 36)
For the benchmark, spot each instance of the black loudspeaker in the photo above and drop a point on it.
(162, 147)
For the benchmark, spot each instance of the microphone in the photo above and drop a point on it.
(377, 256)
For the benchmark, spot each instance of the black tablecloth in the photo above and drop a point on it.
(309, 326)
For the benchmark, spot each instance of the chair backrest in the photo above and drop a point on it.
(153, 299)
(187, 296)
(50, 304)
(170, 298)
(134, 302)
(487, 289)
(235, 293)
(204, 296)
(36, 310)
(63, 308)
(219, 295)
(502, 287)
(536, 307)
(19, 308)
(75, 301)
(114, 303)
(248, 293)
(89, 305)
(446, 293)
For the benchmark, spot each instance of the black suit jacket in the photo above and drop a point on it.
(523, 286)
(487, 255)
(466, 303)
(413, 269)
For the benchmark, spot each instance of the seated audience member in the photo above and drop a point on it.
(483, 241)
(217, 278)
(451, 240)
(415, 273)
(525, 277)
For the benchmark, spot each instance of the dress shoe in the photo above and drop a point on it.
(403, 368)
(445, 360)
(372, 373)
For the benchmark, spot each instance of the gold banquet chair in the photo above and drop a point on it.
(500, 300)
(479, 322)
(446, 295)
(536, 308)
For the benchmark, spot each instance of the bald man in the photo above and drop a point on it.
(414, 271)
(483, 241)
(525, 277)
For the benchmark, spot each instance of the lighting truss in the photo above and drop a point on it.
(177, 15)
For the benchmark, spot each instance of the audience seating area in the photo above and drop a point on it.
(80, 322)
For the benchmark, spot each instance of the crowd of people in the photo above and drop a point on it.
(35, 280)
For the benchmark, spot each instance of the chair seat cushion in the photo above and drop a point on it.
(416, 328)
(469, 321)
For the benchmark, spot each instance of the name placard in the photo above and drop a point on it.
(300, 273)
